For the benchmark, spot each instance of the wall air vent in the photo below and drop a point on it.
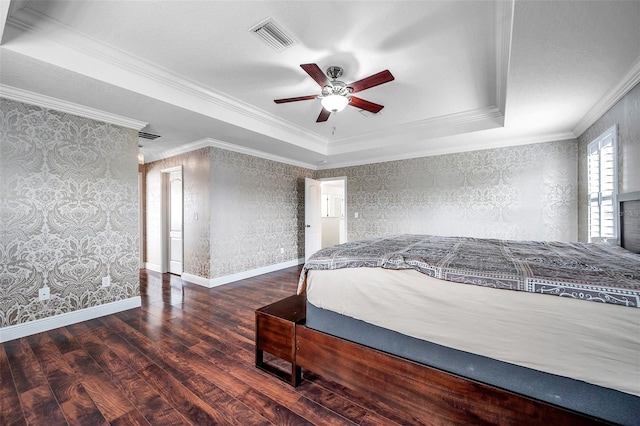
(147, 136)
(272, 34)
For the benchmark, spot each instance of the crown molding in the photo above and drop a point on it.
(450, 121)
(445, 149)
(27, 97)
(40, 25)
(504, 36)
(182, 149)
(209, 142)
(444, 125)
(4, 13)
(453, 149)
(609, 99)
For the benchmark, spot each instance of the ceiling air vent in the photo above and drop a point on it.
(147, 136)
(272, 34)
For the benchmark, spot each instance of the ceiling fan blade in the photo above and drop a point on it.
(365, 105)
(299, 98)
(371, 81)
(324, 116)
(316, 73)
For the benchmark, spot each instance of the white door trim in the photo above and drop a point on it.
(164, 225)
(312, 217)
(346, 207)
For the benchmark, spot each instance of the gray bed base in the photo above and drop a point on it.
(607, 404)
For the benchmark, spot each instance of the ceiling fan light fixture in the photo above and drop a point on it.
(334, 103)
(336, 95)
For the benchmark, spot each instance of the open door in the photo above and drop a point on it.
(174, 221)
(312, 217)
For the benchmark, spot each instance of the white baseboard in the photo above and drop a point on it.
(214, 282)
(45, 324)
(196, 279)
(153, 267)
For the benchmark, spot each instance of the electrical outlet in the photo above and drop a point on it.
(281, 250)
(106, 281)
(43, 293)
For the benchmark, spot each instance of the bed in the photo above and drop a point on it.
(545, 333)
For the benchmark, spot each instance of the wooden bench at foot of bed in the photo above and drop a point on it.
(430, 395)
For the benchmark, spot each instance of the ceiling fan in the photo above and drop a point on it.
(336, 95)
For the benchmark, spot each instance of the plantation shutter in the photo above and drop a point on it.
(602, 186)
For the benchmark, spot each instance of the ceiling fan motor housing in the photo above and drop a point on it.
(334, 72)
(336, 88)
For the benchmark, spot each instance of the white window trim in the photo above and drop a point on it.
(595, 145)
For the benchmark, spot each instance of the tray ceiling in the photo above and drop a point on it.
(468, 75)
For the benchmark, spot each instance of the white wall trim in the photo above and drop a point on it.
(504, 37)
(445, 149)
(214, 282)
(209, 142)
(445, 125)
(45, 324)
(4, 13)
(172, 169)
(196, 279)
(153, 267)
(44, 101)
(630, 80)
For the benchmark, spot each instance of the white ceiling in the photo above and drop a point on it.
(468, 74)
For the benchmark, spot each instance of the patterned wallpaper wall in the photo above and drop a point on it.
(257, 208)
(522, 192)
(196, 214)
(625, 113)
(68, 212)
(247, 208)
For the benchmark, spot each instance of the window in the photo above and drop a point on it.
(603, 186)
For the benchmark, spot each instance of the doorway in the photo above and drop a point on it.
(172, 220)
(325, 211)
(333, 211)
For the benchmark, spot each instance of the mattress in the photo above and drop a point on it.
(600, 273)
(597, 343)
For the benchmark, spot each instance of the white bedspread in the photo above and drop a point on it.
(595, 342)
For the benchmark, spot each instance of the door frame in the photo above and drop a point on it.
(346, 208)
(312, 217)
(141, 220)
(164, 216)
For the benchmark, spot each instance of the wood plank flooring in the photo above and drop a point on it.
(185, 357)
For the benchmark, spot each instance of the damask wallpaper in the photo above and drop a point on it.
(257, 209)
(626, 114)
(68, 212)
(239, 211)
(522, 192)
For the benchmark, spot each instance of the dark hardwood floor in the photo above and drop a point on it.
(185, 357)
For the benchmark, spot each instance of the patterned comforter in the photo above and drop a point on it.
(595, 272)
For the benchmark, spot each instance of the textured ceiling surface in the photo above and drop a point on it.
(468, 75)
